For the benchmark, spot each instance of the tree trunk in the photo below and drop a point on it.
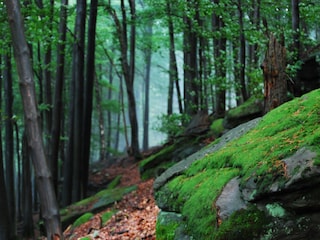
(219, 53)
(275, 81)
(148, 55)
(78, 79)
(9, 142)
(190, 38)
(49, 206)
(102, 145)
(5, 229)
(296, 42)
(27, 192)
(242, 54)
(128, 69)
(57, 106)
(88, 95)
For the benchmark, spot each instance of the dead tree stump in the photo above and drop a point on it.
(275, 80)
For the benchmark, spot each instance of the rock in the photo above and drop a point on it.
(300, 167)
(230, 200)
(300, 173)
(184, 164)
(199, 124)
(247, 111)
(172, 225)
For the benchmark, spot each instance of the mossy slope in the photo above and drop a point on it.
(256, 155)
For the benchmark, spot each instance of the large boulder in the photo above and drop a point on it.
(262, 185)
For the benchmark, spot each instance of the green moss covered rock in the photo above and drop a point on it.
(276, 164)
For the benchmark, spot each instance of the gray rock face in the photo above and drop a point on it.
(292, 207)
(230, 199)
(184, 164)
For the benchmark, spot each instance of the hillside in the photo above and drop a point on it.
(263, 185)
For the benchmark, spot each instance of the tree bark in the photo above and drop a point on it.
(57, 106)
(5, 230)
(190, 39)
(77, 99)
(148, 56)
(275, 81)
(219, 53)
(242, 54)
(49, 206)
(27, 192)
(88, 95)
(9, 142)
(102, 142)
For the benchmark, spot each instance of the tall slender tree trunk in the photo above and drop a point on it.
(77, 101)
(102, 145)
(49, 206)
(219, 64)
(5, 229)
(148, 56)
(173, 68)
(9, 140)
(190, 38)
(53, 147)
(27, 191)
(88, 95)
(242, 54)
(109, 113)
(128, 68)
(296, 41)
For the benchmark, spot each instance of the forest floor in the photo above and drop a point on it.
(136, 213)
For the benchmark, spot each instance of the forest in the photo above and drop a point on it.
(87, 81)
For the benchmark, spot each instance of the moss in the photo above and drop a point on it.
(156, 171)
(217, 127)
(83, 219)
(194, 195)
(166, 231)
(257, 155)
(156, 156)
(243, 224)
(105, 217)
(115, 182)
(279, 134)
(249, 106)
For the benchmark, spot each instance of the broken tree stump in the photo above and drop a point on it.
(275, 80)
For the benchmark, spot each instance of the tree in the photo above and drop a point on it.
(275, 80)
(88, 94)
(173, 68)
(242, 53)
(53, 146)
(128, 67)
(5, 229)
(190, 39)
(220, 43)
(74, 157)
(147, 58)
(9, 142)
(49, 206)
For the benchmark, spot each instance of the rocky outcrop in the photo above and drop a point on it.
(185, 163)
(264, 184)
(292, 206)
